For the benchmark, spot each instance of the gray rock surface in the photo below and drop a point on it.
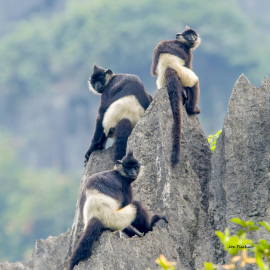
(50, 253)
(112, 252)
(11, 266)
(99, 161)
(199, 195)
(240, 179)
(179, 192)
(47, 255)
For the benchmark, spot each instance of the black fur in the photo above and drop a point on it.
(122, 132)
(119, 86)
(116, 184)
(130, 231)
(111, 183)
(83, 249)
(143, 221)
(177, 93)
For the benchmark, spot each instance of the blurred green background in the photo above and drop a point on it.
(47, 114)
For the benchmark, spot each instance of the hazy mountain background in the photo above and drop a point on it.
(47, 114)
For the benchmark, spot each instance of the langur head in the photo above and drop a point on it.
(99, 79)
(189, 37)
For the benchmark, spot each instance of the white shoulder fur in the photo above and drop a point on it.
(106, 209)
(187, 77)
(126, 107)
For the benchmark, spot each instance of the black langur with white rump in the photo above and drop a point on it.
(123, 101)
(106, 202)
(172, 63)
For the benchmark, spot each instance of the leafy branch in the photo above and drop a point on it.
(239, 245)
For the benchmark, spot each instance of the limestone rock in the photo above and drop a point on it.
(198, 196)
(11, 266)
(179, 192)
(240, 179)
(50, 253)
(112, 252)
(99, 161)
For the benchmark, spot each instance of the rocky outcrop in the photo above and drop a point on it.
(198, 196)
(11, 266)
(240, 180)
(99, 161)
(50, 253)
(179, 192)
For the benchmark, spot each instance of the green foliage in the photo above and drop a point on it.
(265, 225)
(42, 56)
(212, 139)
(38, 54)
(262, 254)
(45, 57)
(33, 204)
(233, 243)
(209, 266)
(164, 264)
(247, 225)
(238, 243)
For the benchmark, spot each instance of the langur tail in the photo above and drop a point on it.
(83, 249)
(176, 92)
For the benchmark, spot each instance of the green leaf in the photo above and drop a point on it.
(220, 235)
(254, 228)
(265, 224)
(209, 266)
(264, 243)
(250, 223)
(241, 232)
(239, 222)
(231, 245)
(212, 139)
(259, 261)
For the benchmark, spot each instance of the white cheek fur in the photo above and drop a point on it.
(184, 41)
(187, 77)
(106, 209)
(119, 168)
(196, 44)
(92, 89)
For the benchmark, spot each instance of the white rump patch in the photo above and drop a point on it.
(126, 107)
(187, 77)
(106, 209)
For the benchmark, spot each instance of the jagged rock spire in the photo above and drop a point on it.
(199, 195)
